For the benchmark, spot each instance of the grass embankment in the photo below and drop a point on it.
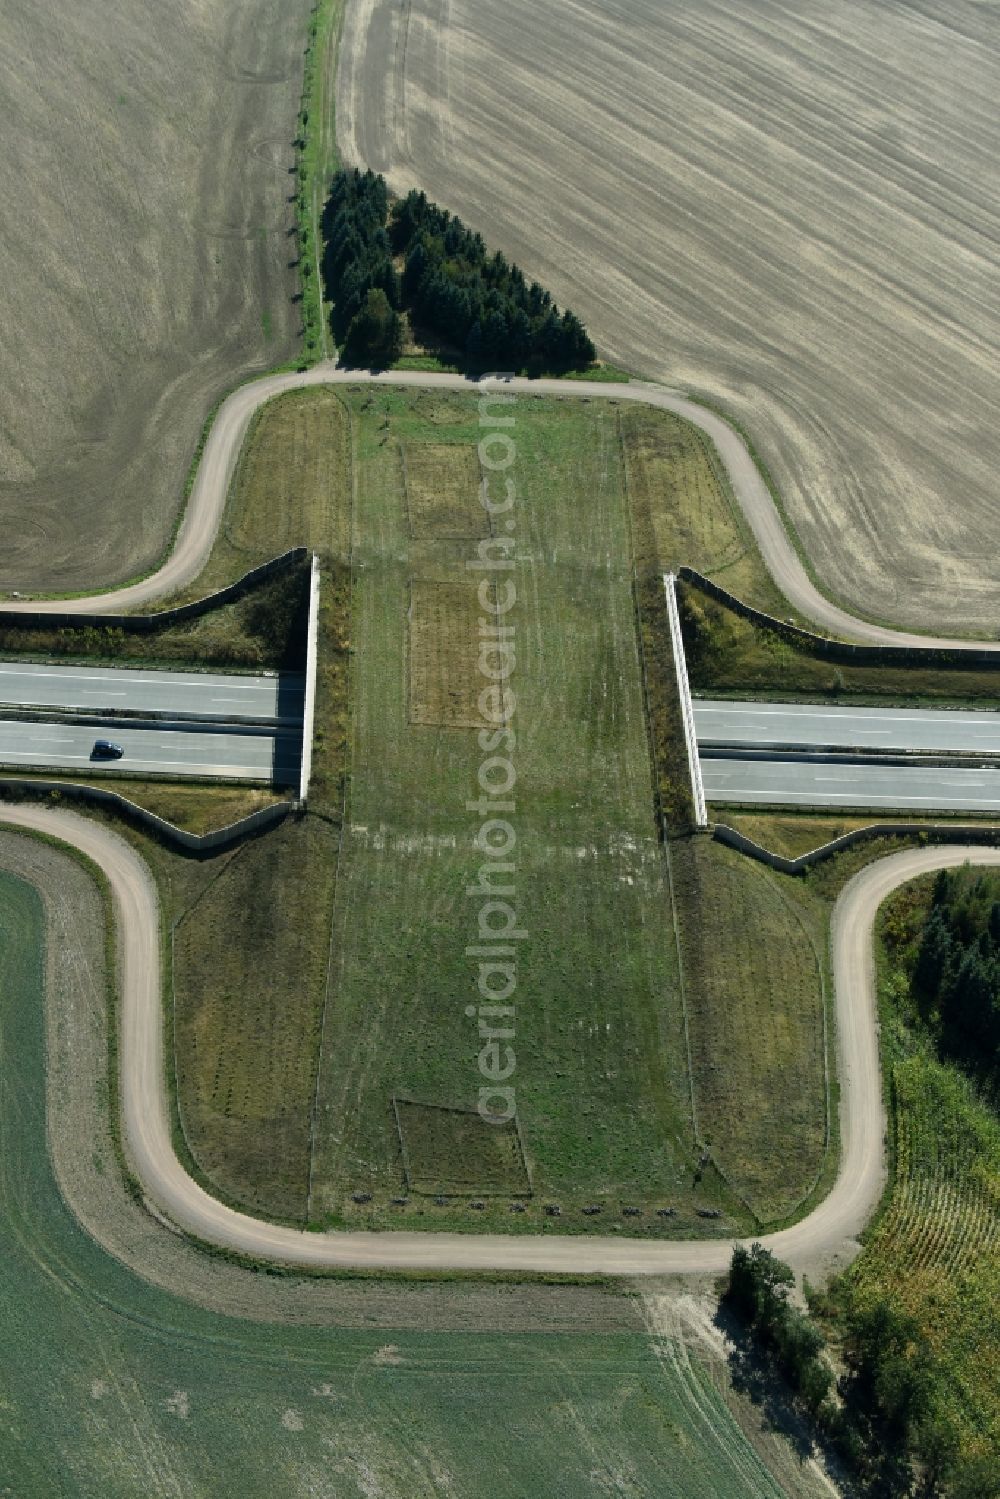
(750, 942)
(730, 657)
(754, 977)
(113, 1387)
(251, 940)
(933, 1251)
(196, 809)
(263, 631)
(677, 479)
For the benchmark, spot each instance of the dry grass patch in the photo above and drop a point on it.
(197, 809)
(294, 469)
(457, 1151)
(444, 643)
(160, 252)
(442, 490)
(756, 1020)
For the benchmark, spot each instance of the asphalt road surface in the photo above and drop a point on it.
(943, 730)
(201, 518)
(828, 1229)
(189, 750)
(206, 695)
(818, 783)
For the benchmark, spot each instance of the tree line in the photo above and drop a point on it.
(885, 1415)
(385, 258)
(956, 978)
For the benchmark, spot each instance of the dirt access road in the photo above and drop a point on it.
(830, 1229)
(208, 497)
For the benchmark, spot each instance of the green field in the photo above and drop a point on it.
(114, 1388)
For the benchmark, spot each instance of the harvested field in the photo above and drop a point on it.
(791, 209)
(756, 1025)
(145, 263)
(442, 490)
(444, 642)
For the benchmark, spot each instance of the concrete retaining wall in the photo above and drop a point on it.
(145, 624)
(309, 706)
(843, 650)
(684, 696)
(933, 833)
(199, 844)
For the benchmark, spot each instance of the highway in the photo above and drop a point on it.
(204, 695)
(949, 730)
(184, 750)
(818, 782)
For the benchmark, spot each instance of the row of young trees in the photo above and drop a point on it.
(886, 1414)
(382, 260)
(956, 978)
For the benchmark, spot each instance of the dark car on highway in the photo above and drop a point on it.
(104, 749)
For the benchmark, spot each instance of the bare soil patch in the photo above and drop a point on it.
(792, 209)
(442, 490)
(145, 264)
(444, 643)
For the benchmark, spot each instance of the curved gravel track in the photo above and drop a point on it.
(203, 514)
(836, 1222)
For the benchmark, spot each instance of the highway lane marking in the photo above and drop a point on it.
(972, 717)
(127, 673)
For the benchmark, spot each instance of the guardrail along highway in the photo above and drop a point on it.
(205, 695)
(803, 783)
(816, 725)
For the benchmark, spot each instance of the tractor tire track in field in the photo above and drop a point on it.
(833, 1226)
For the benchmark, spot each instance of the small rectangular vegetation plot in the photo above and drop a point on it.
(444, 645)
(442, 490)
(456, 1151)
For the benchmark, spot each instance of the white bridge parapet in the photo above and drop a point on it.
(309, 709)
(684, 692)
